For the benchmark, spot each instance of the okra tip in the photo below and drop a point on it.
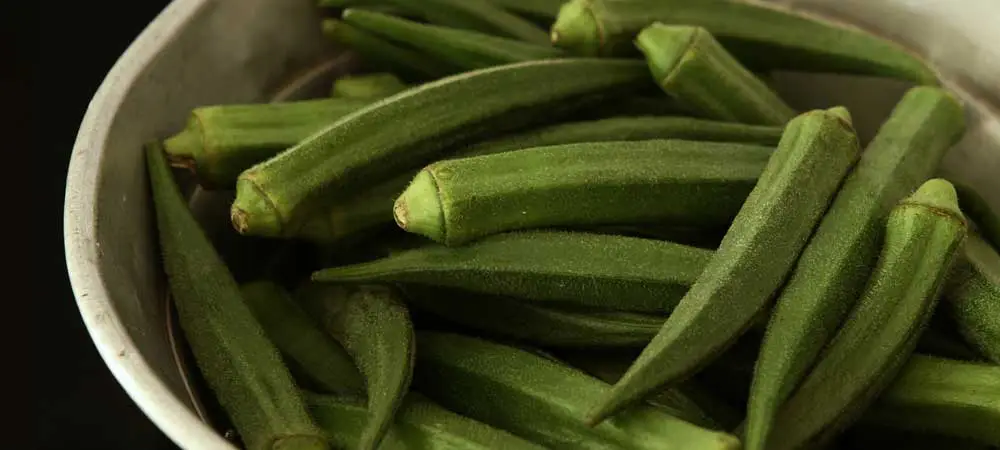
(418, 209)
(253, 212)
(842, 114)
(664, 46)
(938, 195)
(576, 28)
(184, 148)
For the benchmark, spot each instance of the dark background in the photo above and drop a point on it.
(80, 405)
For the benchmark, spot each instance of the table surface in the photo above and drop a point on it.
(81, 405)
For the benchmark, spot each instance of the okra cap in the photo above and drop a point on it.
(937, 195)
(666, 46)
(418, 209)
(577, 28)
(253, 212)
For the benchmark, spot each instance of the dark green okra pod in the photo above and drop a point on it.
(409, 64)
(526, 321)
(952, 398)
(973, 296)
(240, 365)
(831, 272)
(275, 197)
(694, 69)
(675, 182)
(542, 400)
(220, 141)
(815, 153)
(762, 37)
(478, 15)
(459, 48)
(584, 269)
(419, 423)
(371, 86)
(923, 235)
(374, 326)
(300, 339)
(542, 10)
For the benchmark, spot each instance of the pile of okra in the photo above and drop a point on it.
(591, 224)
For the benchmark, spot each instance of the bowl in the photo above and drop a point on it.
(199, 52)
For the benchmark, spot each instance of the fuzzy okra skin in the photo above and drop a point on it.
(464, 49)
(411, 128)
(373, 324)
(694, 69)
(240, 365)
(607, 272)
(831, 272)
(546, 10)
(762, 38)
(815, 153)
(221, 141)
(536, 324)
(542, 400)
(944, 396)
(373, 207)
(419, 423)
(655, 181)
(478, 15)
(923, 234)
(368, 86)
(973, 296)
(300, 338)
(409, 64)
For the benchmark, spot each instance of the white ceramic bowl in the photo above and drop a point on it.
(199, 52)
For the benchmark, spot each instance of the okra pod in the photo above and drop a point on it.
(464, 49)
(686, 183)
(762, 37)
(369, 86)
(973, 296)
(694, 69)
(610, 272)
(411, 65)
(240, 365)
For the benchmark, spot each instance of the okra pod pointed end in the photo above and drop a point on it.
(664, 46)
(938, 195)
(577, 29)
(418, 209)
(183, 149)
(253, 212)
(843, 114)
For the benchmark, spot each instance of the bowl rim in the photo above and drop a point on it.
(168, 412)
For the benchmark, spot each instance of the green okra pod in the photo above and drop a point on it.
(762, 37)
(923, 235)
(220, 141)
(240, 365)
(529, 322)
(948, 397)
(830, 273)
(607, 271)
(300, 339)
(368, 86)
(816, 151)
(973, 296)
(419, 423)
(543, 10)
(274, 198)
(630, 128)
(464, 49)
(675, 182)
(694, 69)
(540, 399)
(409, 64)
(372, 323)
(478, 15)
